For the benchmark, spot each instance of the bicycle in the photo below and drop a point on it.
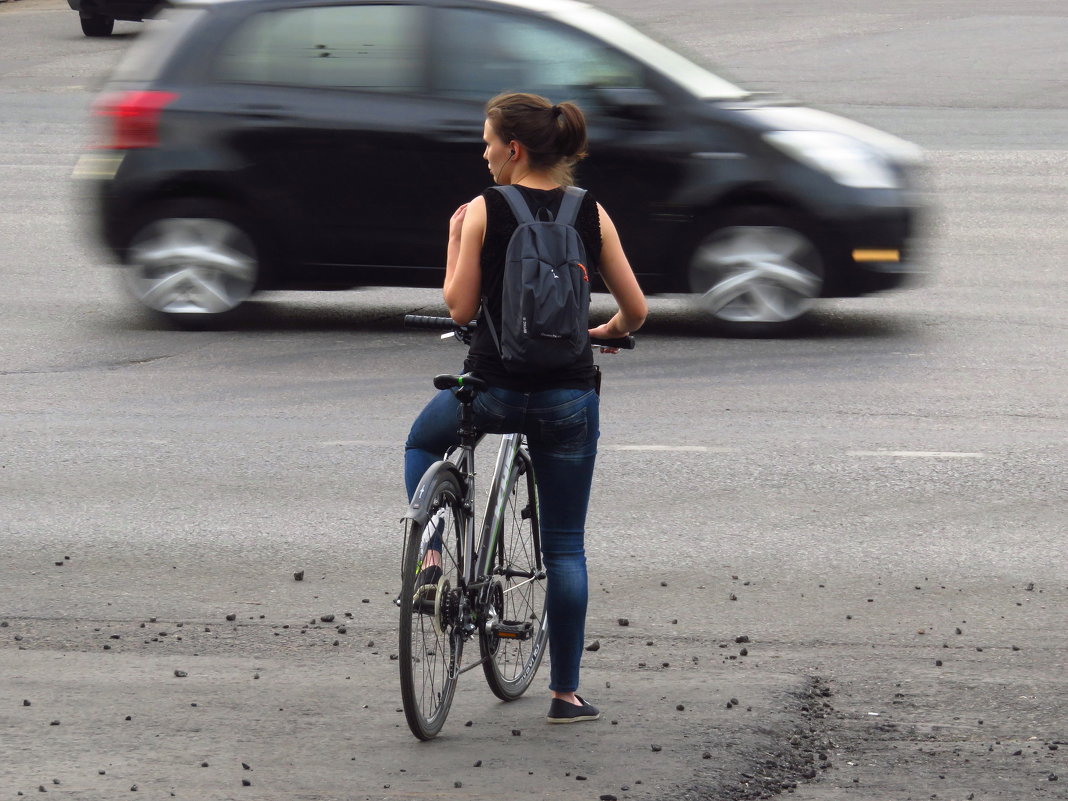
(492, 588)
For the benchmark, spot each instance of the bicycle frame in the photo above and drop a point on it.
(475, 570)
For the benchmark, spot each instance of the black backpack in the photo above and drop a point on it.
(545, 300)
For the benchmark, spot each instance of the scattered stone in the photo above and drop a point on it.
(246, 783)
(938, 663)
(680, 708)
(457, 785)
(25, 702)
(246, 766)
(298, 576)
(656, 748)
(342, 630)
(663, 583)
(608, 797)
(744, 652)
(203, 764)
(327, 618)
(706, 755)
(624, 621)
(478, 764)
(516, 732)
(231, 617)
(470, 723)
(580, 778)
(594, 646)
(181, 674)
(54, 723)
(742, 638)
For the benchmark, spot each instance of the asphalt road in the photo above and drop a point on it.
(878, 504)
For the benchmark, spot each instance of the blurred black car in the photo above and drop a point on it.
(252, 144)
(98, 16)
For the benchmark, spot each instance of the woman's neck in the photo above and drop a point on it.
(537, 179)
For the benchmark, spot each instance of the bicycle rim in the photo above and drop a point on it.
(431, 642)
(518, 593)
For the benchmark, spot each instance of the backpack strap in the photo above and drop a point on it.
(517, 202)
(569, 206)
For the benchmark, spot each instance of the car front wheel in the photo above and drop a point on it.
(757, 271)
(193, 261)
(98, 25)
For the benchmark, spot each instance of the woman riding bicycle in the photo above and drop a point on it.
(533, 144)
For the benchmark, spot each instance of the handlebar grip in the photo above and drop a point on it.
(424, 321)
(447, 324)
(623, 343)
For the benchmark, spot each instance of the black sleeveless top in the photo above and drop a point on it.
(483, 358)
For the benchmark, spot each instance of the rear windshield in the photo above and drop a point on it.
(155, 44)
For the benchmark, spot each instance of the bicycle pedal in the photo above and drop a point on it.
(514, 630)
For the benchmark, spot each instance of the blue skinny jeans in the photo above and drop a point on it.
(561, 426)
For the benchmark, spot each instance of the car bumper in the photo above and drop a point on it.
(873, 248)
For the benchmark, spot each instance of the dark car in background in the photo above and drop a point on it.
(320, 144)
(98, 16)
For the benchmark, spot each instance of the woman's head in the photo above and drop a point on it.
(552, 137)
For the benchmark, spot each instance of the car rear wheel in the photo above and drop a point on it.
(757, 271)
(194, 262)
(98, 25)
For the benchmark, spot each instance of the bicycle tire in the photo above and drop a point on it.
(431, 640)
(518, 592)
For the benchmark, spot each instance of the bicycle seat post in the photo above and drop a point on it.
(467, 431)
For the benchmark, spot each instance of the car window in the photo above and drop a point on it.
(481, 53)
(157, 42)
(371, 48)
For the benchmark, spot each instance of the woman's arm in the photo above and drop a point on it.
(463, 269)
(619, 278)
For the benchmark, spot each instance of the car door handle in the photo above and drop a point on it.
(457, 132)
(264, 112)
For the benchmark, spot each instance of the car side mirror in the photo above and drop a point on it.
(633, 104)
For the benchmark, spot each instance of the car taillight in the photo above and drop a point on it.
(131, 119)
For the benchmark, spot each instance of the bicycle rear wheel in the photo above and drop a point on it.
(512, 647)
(431, 639)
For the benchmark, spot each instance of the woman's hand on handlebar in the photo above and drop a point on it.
(607, 331)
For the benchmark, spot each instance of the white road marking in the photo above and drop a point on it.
(921, 454)
(671, 448)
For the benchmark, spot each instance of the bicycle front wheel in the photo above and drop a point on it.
(513, 643)
(431, 638)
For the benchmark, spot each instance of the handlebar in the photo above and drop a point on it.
(447, 324)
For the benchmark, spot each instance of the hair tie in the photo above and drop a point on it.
(557, 111)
